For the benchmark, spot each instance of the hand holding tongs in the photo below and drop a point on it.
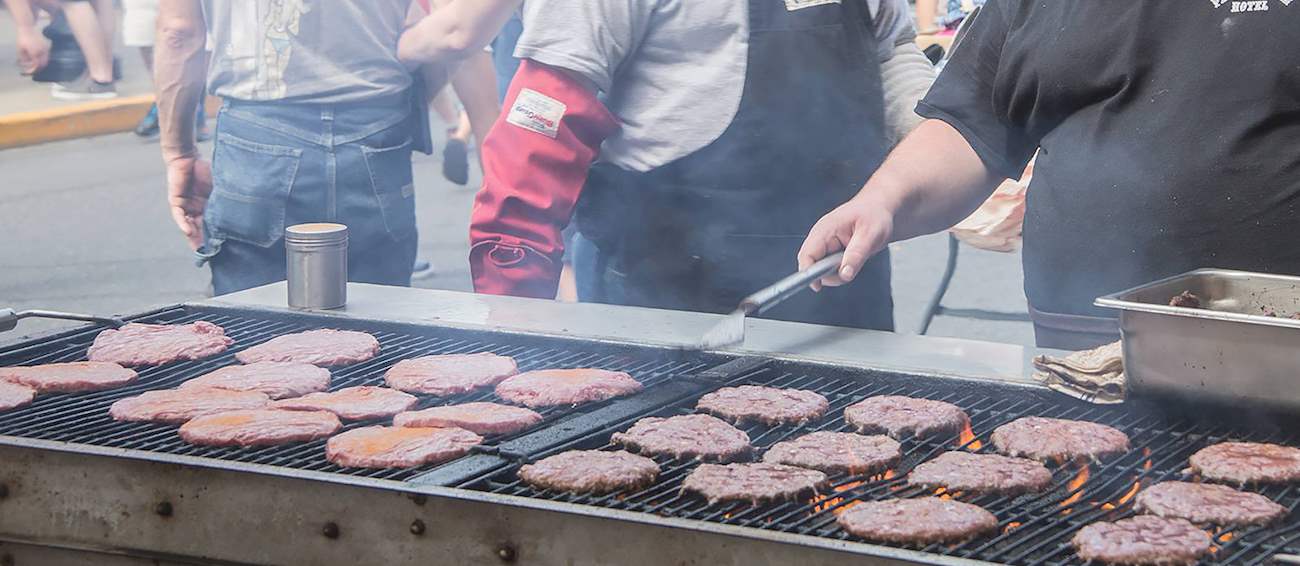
(9, 318)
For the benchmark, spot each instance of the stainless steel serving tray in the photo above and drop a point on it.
(1229, 350)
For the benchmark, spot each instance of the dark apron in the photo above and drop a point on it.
(702, 232)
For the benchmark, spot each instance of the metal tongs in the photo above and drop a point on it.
(9, 318)
(731, 330)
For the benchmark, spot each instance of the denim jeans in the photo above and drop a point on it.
(276, 165)
(503, 54)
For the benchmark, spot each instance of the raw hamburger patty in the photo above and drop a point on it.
(686, 436)
(1208, 503)
(923, 520)
(1145, 539)
(901, 417)
(259, 427)
(480, 418)
(1047, 439)
(71, 377)
(550, 387)
(277, 380)
(757, 483)
(359, 403)
(153, 344)
(982, 473)
(325, 347)
(750, 403)
(590, 471)
(13, 395)
(179, 405)
(450, 374)
(837, 452)
(1247, 462)
(398, 447)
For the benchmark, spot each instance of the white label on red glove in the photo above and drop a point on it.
(792, 5)
(535, 111)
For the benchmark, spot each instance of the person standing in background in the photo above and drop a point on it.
(139, 26)
(93, 25)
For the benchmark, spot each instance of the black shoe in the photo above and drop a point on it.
(455, 162)
(148, 126)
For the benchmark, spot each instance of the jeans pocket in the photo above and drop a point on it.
(250, 190)
(394, 187)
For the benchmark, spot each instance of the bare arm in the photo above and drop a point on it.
(932, 180)
(180, 66)
(456, 30)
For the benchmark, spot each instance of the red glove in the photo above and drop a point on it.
(535, 161)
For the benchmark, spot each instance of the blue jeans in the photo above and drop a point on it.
(276, 165)
(503, 54)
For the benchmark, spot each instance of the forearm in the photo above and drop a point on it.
(930, 182)
(456, 30)
(906, 77)
(180, 67)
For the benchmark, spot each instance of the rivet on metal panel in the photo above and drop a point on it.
(331, 530)
(417, 527)
(419, 499)
(163, 509)
(506, 552)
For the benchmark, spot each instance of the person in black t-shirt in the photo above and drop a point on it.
(1169, 136)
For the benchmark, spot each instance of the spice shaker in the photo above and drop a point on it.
(317, 265)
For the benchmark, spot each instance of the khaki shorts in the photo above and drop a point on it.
(139, 18)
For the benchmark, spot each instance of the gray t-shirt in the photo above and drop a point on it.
(318, 51)
(671, 71)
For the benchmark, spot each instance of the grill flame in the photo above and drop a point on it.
(967, 439)
(830, 502)
(1074, 485)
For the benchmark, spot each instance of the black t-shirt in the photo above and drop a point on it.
(1170, 135)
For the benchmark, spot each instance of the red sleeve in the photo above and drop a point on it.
(425, 4)
(535, 161)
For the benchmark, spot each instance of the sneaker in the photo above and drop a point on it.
(421, 269)
(455, 162)
(84, 88)
(148, 126)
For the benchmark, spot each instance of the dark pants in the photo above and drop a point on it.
(276, 165)
(1072, 332)
(503, 54)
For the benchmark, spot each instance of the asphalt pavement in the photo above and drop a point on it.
(84, 227)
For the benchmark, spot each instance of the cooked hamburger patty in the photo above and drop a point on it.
(1203, 503)
(278, 380)
(923, 520)
(1186, 299)
(770, 405)
(1247, 462)
(259, 427)
(450, 374)
(837, 452)
(480, 418)
(590, 471)
(551, 387)
(325, 347)
(982, 473)
(1058, 440)
(71, 377)
(901, 417)
(179, 405)
(1145, 539)
(686, 436)
(360, 403)
(398, 447)
(138, 344)
(13, 395)
(757, 483)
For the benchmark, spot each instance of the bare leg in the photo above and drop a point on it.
(476, 86)
(446, 108)
(927, 15)
(90, 37)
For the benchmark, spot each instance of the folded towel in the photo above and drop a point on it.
(1095, 376)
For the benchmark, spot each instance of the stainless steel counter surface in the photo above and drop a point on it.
(860, 348)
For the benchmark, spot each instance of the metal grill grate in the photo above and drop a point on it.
(1035, 529)
(83, 418)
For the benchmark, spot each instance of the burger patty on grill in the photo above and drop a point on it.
(756, 483)
(1058, 440)
(138, 344)
(923, 520)
(770, 405)
(902, 417)
(176, 406)
(1203, 503)
(360, 403)
(686, 436)
(398, 447)
(551, 387)
(1247, 462)
(1142, 540)
(324, 347)
(837, 452)
(259, 427)
(13, 395)
(278, 380)
(450, 374)
(70, 377)
(982, 473)
(480, 418)
(590, 471)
